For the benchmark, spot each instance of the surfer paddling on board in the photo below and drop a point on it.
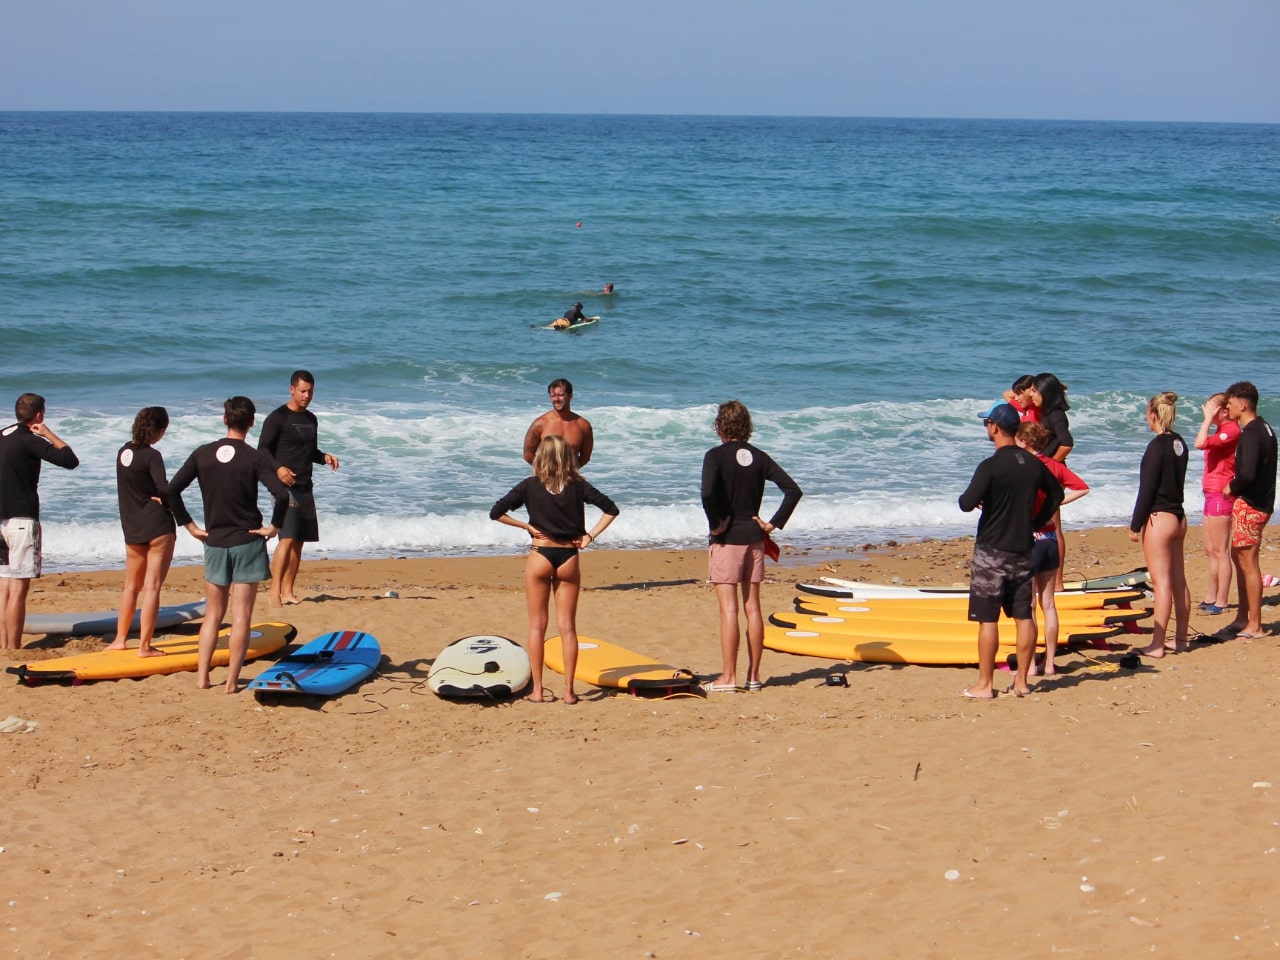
(555, 497)
(560, 421)
(289, 436)
(571, 316)
(235, 546)
(23, 447)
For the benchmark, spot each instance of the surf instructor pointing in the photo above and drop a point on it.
(560, 421)
(289, 435)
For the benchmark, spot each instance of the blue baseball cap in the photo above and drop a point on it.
(1003, 416)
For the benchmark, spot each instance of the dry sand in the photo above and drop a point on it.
(1114, 813)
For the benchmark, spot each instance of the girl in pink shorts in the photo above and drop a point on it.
(1217, 437)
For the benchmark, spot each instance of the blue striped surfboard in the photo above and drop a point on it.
(327, 665)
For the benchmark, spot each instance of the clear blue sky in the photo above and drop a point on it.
(1083, 59)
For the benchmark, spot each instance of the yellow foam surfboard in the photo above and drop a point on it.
(181, 654)
(848, 646)
(949, 613)
(606, 664)
(960, 631)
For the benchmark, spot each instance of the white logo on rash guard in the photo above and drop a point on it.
(126, 457)
(9, 430)
(1179, 448)
(744, 457)
(225, 453)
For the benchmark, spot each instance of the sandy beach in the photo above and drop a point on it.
(1112, 813)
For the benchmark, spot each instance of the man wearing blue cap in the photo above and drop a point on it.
(1005, 486)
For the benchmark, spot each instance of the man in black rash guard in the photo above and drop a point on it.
(1005, 487)
(23, 447)
(289, 435)
(1254, 487)
(235, 551)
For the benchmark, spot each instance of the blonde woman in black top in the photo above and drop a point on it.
(1161, 524)
(554, 497)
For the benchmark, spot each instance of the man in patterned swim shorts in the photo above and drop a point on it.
(1005, 487)
(1254, 487)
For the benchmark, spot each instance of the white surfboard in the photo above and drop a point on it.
(482, 667)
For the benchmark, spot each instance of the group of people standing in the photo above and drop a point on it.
(734, 473)
(234, 536)
(1018, 551)
(230, 471)
(1239, 486)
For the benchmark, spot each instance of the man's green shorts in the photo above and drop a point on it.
(246, 563)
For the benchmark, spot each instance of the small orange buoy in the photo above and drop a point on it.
(579, 224)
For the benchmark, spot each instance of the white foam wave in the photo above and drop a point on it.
(420, 477)
(820, 521)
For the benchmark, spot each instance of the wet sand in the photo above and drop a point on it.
(1113, 812)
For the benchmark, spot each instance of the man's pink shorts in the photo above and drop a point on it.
(736, 562)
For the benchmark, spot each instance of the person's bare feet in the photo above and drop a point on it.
(150, 651)
(116, 645)
(570, 697)
(1154, 652)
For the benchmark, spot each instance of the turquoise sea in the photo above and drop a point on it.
(865, 286)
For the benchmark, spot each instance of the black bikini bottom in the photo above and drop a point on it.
(557, 556)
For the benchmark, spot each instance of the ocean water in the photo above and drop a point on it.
(865, 286)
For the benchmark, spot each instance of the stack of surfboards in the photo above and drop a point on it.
(1135, 582)
(880, 623)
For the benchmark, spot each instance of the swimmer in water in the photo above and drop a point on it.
(560, 421)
